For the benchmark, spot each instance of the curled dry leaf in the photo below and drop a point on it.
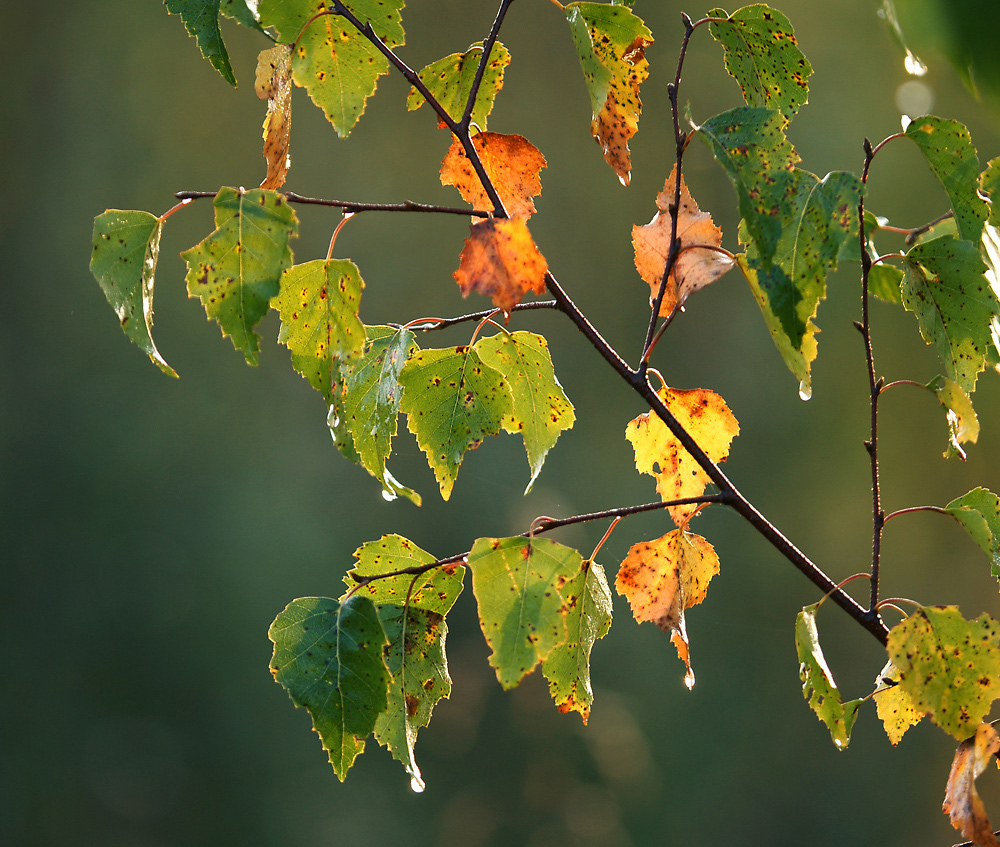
(500, 260)
(512, 163)
(664, 577)
(961, 800)
(274, 84)
(698, 263)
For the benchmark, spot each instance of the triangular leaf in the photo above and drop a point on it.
(452, 402)
(201, 19)
(235, 271)
(541, 410)
(450, 81)
(126, 249)
(963, 425)
(274, 84)
(894, 706)
(328, 657)
(979, 512)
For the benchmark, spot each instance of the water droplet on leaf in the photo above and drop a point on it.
(805, 390)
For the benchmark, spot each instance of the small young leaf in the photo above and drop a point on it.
(201, 19)
(963, 425)
(517, 583)
(236, 270)
(894, 706)
(763, 57)
(126, 249)
(450, 81)
(947, 146)
(962, 803)
(334, 62)
(611, 43)
(587, 604)
(979, 512)
(946, 288)
(328, 657)
(318, 303)
(662, 578)
(513, 165)
(695, 268)
(949, 666)
(501, 261)
(541, 410)
(818, 686)
(706, 417)
(274, 84)
(884, 282)
(452, 402)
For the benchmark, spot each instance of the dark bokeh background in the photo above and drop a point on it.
(150, 529)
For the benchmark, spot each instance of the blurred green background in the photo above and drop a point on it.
(151, 529)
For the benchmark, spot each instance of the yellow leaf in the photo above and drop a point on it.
(274, 84)
(706, 417)
(961, 800)
(501, 261)
(618, 120)
(895, 707)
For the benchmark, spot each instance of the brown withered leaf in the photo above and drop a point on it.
(706, 417)
(961, 800)
(512, 163)
(274, 84)
(695, 268)
(662, 578)
(500, 260)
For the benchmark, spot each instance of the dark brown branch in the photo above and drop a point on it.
(431, 324)
(351, 206)
(477, 81)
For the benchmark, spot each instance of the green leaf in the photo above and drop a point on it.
(541, 410)
(340, 427)
(947, 146)
(818, 686)
(979, 512)
(517, 584)
(126, 249)
(328, 657)
(412, 610)
(587, 602)
(201, 19)
(450, 81)
(334, 62)
(611, 41)
(452, 402)
(236, 270)
(750, 145)
(989, 182)
(239, 11)
(963, 425)
(949, 666)
(884, 281)
(946, 288)
(371, 406)
(762, 56)
(318, 303)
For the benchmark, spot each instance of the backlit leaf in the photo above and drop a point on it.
(235, 270)
(412, 610)
(946, 288)
(241, 11)
(963, 425)
(949, 666)
(274, 84)
(947, 146)
(662, 578)
(894, 706)
(523, 615)
(511, 162)
(989, 182)
(334, 62)
(501, 261)
(328, 657)
(884, 281)
(695, 268)
(541, 410)
(961, 800)
(450, 81)
(991, 255)
(452, 402)
(126, 249)
(979, 512)
(763, 57)
(318, 303)
(707, 419)
(587, 606)
(818, 686)
(201, 19)
(611, 43)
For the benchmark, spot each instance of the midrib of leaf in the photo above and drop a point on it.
(799, 228)
(458, 400)
(531, 394)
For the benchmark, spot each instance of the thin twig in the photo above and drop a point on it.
(470, 103)
(911, 509)
(351, 206)
(442, 323)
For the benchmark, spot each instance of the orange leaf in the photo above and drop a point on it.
(512, 163)
(274, 83)
(664, 577)
(695, 268)
(706, 417)
(501, 261)
(961, 800)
